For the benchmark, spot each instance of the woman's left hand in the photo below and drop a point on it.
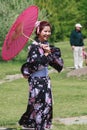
(46, 48)
(26, 76)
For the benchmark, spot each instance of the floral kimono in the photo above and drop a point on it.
(39, 109)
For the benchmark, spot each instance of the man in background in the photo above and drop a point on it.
(77, 44)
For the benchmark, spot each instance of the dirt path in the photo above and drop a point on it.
(10, 78)
(72, 72)
(72, 120)
(77, 72)
(66, 121)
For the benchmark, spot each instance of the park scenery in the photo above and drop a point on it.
(69, 87)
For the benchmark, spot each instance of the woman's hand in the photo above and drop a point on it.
(26, 76)
(46, 49)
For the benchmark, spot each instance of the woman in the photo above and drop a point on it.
(39, 109)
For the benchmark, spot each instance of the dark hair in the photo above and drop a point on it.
(41, 26)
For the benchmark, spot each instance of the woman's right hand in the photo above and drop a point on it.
(46, 48)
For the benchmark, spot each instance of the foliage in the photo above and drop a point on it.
(83, 11)
(63, 15)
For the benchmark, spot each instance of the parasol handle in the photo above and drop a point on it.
(36, 43)
(27, 37)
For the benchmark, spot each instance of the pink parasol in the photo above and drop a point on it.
(19, 33)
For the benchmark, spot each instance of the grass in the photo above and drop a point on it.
(69, 94)
(9, 68)
(13, 100)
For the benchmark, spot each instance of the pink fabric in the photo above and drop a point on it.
(84, 54)
(15, 40)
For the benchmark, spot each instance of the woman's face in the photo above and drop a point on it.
(45, 34)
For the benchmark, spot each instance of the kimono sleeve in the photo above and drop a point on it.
(35, 58)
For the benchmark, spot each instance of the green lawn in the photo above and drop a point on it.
(69, 94)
